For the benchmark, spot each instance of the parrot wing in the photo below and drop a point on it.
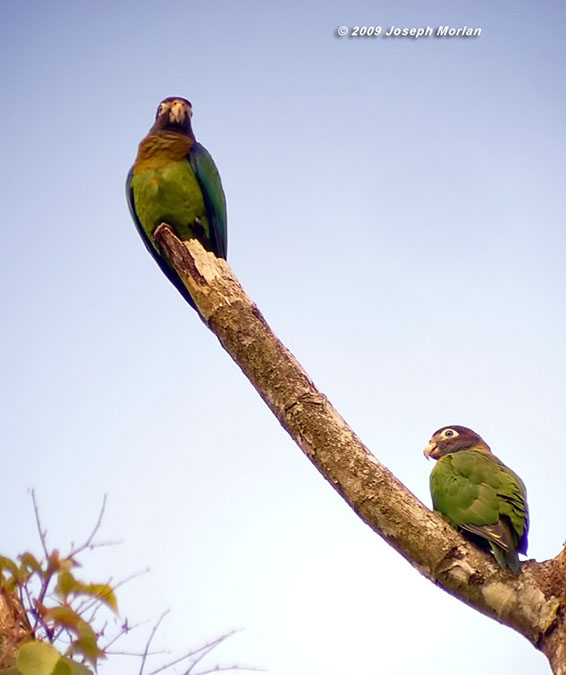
(478, 493)
(499, 534)
(211, 186)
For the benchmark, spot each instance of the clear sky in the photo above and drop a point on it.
(396, 209)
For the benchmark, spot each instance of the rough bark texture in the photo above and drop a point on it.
(532, 602)
(13, 629)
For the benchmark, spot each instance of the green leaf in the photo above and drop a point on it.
(62, 668)
(10, 565)
(64, 616)
(41, 658)
(103, 592)
(77, 668)
(10, 585)
(30, 562)
(67, 583)
(37, 658)
(28, 566)
(86, 644)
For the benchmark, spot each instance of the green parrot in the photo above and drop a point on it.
(477, 494)
(175, 180)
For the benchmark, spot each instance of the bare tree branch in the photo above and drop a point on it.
(198, 654)
(150, 638)
(533, 602)
(42, 533)
(88, 543)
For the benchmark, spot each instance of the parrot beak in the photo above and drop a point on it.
(431, 449)
(178, 112)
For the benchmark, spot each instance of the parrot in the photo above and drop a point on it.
(175, 180)
(478, 495)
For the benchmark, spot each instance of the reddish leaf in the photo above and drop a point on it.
(54, 562)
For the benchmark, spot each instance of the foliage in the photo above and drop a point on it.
(52, 610)
(40, 658)
(52, 618)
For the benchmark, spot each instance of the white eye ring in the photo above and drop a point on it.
(450, 433)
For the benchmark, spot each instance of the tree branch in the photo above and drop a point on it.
(533, 602)
(14, 627)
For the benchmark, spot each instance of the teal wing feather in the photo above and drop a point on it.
(209, 180)
(165, 267)
(513, 496)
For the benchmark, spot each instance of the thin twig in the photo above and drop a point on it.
(99, 544)
(40, 598)
(206, 648)
(88, 542)
(42, 533)
(217, 669)
(123, 631)
(157, 653)
(133, 576)
(146, 651)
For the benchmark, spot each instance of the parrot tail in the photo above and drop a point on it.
(506, 559)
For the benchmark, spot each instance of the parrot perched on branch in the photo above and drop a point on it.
(175, 180)
(477, 494)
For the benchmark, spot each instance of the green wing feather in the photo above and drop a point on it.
(476, 492)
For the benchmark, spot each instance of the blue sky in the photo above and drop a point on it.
(396, 209)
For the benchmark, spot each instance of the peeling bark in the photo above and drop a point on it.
(532, 602)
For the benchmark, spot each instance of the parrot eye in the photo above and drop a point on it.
(449, 433)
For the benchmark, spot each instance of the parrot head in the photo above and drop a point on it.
(174, 114)
(453, 439)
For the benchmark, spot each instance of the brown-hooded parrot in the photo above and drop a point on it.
(175, 180)
(476, 493)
